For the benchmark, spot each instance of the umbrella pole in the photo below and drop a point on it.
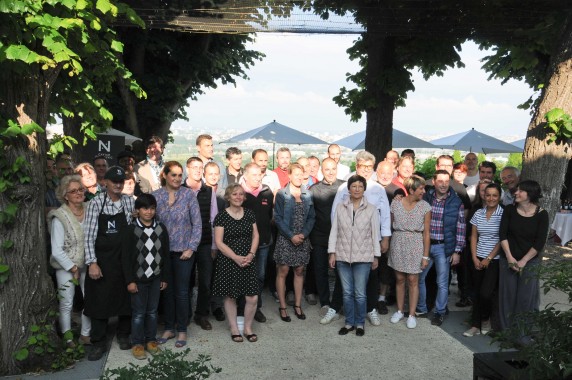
(273, 155)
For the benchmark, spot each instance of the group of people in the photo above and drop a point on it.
(230, 229)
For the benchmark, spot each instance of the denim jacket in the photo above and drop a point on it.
(284, 212)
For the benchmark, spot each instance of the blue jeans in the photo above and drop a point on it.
(321, 265)
(177, 293)
(442, 266)
(354, 279)
(144, 305)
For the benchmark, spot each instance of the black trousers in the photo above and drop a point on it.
(99, 329)
(486, 285)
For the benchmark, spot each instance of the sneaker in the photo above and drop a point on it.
(373, 317)
(485, 327)
(331, 315)
(472, 332)
(138, 352)
(290, 299)
(437, 319)
(324, 310)
(396, 317)
(311, 299)
(382, 307)
(85, 340)
(464, 302)
(153, 348)
(421, 314)
(411, 322)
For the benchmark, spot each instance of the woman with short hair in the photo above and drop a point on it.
(354, 248)
(66, 230)
(410, 244)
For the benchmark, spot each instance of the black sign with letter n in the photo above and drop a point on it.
(108, 145)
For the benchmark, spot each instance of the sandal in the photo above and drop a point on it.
(237, 338)
(163, 340)
(252, 338)
(301, 315)
(181, 342)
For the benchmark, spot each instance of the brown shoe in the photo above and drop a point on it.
(153, 348)
(139, 352)
(204, 323)
(85, 340)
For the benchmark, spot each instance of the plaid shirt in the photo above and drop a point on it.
(436, 228)
(90, 224)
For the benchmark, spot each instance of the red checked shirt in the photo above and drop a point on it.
(436, 228)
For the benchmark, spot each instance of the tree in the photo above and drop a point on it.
(541, 56)
(387, 56)
(40, 42)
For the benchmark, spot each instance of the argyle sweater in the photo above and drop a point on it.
(145, 252)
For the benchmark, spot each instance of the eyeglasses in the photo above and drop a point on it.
(80, 190)
(368, 167)
(65, 170)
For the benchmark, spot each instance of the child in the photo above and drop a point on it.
(145, 262)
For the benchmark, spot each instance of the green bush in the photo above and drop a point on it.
(549, 354)
(165, 365)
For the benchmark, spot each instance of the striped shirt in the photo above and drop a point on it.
(437, 231)
(91, 226)
(488, 230)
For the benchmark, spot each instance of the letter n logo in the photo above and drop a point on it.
(111, 225)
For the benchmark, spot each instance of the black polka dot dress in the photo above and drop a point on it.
(231, 280)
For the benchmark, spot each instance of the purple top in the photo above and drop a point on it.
(182, 218)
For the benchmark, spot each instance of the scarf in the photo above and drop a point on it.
(249, 190)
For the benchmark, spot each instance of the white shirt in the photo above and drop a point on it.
(472, 182)
(271, 180)
(342, 172)
(376, 195)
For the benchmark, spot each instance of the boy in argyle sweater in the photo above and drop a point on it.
(145, 262)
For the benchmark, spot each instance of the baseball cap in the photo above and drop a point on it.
(115, 174)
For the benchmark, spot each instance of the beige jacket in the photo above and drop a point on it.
(147, 181)
(355, 238)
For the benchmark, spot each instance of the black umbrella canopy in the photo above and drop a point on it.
(278, 134)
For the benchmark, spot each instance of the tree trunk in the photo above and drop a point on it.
(28, 294)
(72, 128)
(379, 120)
(543, 162)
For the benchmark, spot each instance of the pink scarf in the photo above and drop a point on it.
(249, 190)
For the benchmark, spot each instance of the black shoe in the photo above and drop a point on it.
(382, 307)
(419, 314)
(345, 330)
(300, 315)
(437, 319)
(204, 323)
(259, 317)
(96, 353)
(360, 331)
(284, 318)
(219, 314)
(390, 300)
(464, 302)
(124, 343)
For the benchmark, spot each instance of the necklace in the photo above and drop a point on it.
(80, 213)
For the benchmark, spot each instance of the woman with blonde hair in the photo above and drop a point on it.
(66, 230)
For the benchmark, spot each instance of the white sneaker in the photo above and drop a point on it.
(331, 315)
(374, 317)
(472, 332)
(324, 310)
(411, 322)
(485, 327)
(396, 317)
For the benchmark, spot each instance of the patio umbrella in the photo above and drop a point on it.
(275, 133)
(400, 140)
(475, 141)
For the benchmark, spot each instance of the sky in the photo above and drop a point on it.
(301, 73)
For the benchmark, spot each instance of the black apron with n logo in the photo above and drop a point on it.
(108, 296)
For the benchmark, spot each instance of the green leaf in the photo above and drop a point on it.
(6, 244)
(28, 129)
(117, 46)
(38, 350)
(21, 354)
(94, 24)
(34, 328)
(554, 114)
(80, 4)
(105, 6)
(68, 335)
(32, 340)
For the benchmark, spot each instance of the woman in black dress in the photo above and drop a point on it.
(236, 237)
